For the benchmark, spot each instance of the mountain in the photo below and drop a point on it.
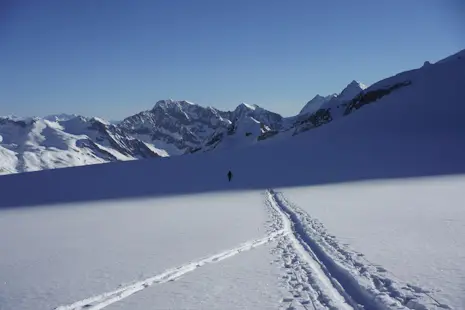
(268, 118)
(321, 110)
(36, 144)
(319, 102)
(60, 117)
(351, 90)
(174, 126)
(244, 131)
(316, 103)
(182, 127)
(171, 128)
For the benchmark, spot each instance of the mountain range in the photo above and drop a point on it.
(170, 128)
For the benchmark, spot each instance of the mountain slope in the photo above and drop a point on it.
(174, 125)
(316, 103)
(36, 144)
(180, 126)
(378, 141)
(322, 110)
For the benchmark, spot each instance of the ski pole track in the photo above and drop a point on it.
(361, 284)
(103, 300)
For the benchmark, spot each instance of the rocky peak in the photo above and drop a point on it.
(351, 90)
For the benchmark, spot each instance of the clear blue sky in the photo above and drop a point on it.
(113, 58)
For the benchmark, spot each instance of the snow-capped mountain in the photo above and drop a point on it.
(351, 90)
(174, 126)
(244, 110)
(36, 144)
(181, 127)
(60, 117)
(321, 110)
(315, 104)
(244, 131)
(171, 128)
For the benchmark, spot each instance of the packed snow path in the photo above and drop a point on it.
(323, 274)
(319, 273)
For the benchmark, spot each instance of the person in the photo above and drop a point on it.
(229, 175)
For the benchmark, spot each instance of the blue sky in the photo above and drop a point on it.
(114, 58)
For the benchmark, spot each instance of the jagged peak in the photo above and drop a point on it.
(170, 103)
(351, 90)
(245, 108)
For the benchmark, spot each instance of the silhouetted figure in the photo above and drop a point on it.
(229, 175)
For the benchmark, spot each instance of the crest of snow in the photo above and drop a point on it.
(248, 106)
(101, 120)
(160, 152)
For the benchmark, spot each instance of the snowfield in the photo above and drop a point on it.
(362, 213)
(412, 228)
(77, 251)
(129, 255)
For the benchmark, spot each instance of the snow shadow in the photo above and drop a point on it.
(304, 160)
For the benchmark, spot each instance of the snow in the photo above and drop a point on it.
(89, 249)
(105, 235)
(413, 228)
(246, 133)
(161, 152)
(8, 161)
(41, 144)
(246, 281)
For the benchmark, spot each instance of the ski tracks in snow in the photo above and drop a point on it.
(103, 300)
(323, 274)
(319, 273)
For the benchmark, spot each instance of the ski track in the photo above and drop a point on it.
(322, 274)
(103, 300)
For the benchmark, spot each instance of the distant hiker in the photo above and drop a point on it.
(229, 175)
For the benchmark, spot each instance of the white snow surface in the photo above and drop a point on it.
(66, 253)
(413, 228)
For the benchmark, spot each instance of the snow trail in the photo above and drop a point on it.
(306, 274)
(103, 300)
(329, 275)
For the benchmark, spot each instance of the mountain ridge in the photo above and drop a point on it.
(177, 127)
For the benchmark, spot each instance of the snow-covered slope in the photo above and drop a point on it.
(321, 110)
(405, 146)
(36, 144)
(407, 126)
